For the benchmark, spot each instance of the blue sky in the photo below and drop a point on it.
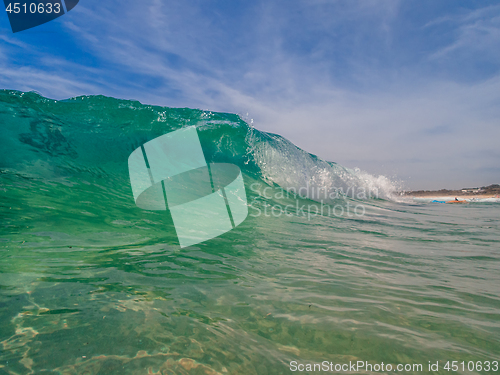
(407, 89)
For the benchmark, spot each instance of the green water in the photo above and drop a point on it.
(91, 284)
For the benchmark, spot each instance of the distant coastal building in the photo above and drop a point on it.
(474, 191)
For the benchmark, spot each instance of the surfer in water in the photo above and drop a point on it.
(456, 199)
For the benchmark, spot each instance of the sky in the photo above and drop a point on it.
(408, 89)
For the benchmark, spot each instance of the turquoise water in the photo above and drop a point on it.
(91, 284)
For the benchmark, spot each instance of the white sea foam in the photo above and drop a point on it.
(284, 164)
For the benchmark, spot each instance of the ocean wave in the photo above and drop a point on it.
(94, 135)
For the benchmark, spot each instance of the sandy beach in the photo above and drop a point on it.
(469, 194)
(451, 196)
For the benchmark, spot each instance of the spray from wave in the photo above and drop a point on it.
(295, 170)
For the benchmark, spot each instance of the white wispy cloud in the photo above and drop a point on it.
(475, 32)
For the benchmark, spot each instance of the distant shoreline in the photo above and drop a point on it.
(492, 191)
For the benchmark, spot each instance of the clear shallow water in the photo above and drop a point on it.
(91, 284)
